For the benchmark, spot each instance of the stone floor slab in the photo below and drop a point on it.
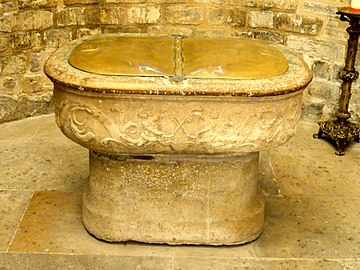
(310, 227)
(287, 264)
(187, 263)
(40, 165)
(351, 265)
(53, 224)
(312, 172)
(22, 129)
(12, 207)
(31, 261)
(37, 156)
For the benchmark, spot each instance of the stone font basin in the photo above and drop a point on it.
(174, 126)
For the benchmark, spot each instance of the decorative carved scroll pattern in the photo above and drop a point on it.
(164, 127)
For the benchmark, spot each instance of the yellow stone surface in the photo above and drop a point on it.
(125, 55)
(187, 57)
(231, 58)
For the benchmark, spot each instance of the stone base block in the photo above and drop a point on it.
(207, 200)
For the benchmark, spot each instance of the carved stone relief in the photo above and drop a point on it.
(163, 126)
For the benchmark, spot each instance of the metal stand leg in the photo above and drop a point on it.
(340, 144)
(356, 139)
(318, 135)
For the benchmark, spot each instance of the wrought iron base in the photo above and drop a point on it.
(341, 131)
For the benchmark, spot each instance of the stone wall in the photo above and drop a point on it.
(31, 29)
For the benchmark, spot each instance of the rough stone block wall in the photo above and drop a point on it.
(30, 30)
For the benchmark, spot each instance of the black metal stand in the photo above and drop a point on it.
(341, 130)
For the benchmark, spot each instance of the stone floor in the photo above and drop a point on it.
(312, 209)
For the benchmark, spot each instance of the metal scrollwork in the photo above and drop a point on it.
(349, 75)
(340, 132)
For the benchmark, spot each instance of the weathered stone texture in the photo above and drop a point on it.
(26, 41)
(164, 1)
(335, 30)
(13, 64)
(145, 14)
(239, 3)
(8, 83)
(298, 23)
(317, 49)
(82, 32)
(279, 4)
(320, 8)
(72, 2)
(245, 3)
(30, 20)
(323, 90)
(56, 37)
(7, 6)
(4, 44)
(220, 16)
(37, 3)
(312, 109)
(259, 19)
(270, 36)
(37, 61)
(322, 70)
(209, 1)
(191, 202)
(170, 30)
(92, 16)
(112, 15)
(183, 15)
(8, 22)
(17, 107)
(125, 1)
(31, 84)
(34, 62)
(71, 16)
(135, 28)
(211, 32)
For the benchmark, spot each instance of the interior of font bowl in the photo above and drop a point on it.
(227, 58)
